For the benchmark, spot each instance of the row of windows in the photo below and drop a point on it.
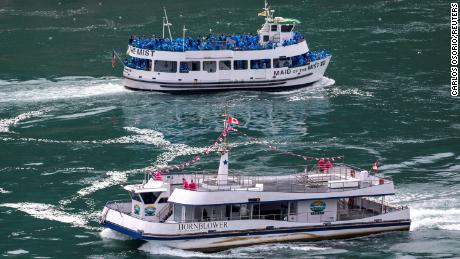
(211, 66)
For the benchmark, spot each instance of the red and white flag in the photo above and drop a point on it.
(114, 60)
(232, 120)
(375, 166)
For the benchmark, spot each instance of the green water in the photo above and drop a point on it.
(71, 135)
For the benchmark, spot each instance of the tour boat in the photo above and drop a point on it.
(211, 212)
(276, 58)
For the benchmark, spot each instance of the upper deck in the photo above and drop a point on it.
(339, 178)
(235, 42)
(340, 181)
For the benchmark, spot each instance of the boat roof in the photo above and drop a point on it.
(150, 186)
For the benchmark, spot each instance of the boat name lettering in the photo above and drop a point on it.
(288, 71)
(202, 225)
(140, 52)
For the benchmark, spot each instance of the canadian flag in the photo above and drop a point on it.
(232, 120)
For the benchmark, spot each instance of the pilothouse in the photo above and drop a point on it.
(275, 58)
(219, 210)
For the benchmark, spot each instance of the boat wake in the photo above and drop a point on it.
(47, 211)
(109, 234)
(60, 88)
(5, 124)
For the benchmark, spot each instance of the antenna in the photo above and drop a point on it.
(183, 38)
(166, 24)
(163, 27)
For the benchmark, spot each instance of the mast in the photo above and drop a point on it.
(222, 174)
(183, 38)
(167, 24)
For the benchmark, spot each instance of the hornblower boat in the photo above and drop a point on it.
(276, 58)
(211, 212)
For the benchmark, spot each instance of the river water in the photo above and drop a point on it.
(71, 135)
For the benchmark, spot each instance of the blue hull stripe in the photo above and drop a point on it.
(138, 235)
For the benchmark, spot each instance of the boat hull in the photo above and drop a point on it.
(285, 79)
(235, 235)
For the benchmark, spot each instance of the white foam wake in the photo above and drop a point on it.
(429, 159)
(63, 88)
(5, 124)
(156, 248)
(107, 233)
(113, 178)
(4, 191)
(437, 218)
(47, 211)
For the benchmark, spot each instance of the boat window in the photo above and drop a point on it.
(150, 197)
(292, 207)
(235, 211)
(165, 66)
(240, 64)
(163, 200)
(225, 65)
(274, 27)
(286, 28)
(139, 63)
(260, 64)
(185, 67)
(209, 66)
(281, 62)
(298, 61)
(274, 210)
(266, 38)
(135, 196)
(178, 213)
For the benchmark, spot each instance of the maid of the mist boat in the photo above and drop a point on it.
(276, 58)
(211, 212)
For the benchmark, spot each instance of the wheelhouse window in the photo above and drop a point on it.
(163, 200)
(165, 66)
(274, 28)
(139, 63)
(150, 197)
(225, 65)
(240, 64)
(209, 66)
(260, 64)
(286, 28)
(135, 196)
(281, 62)
(185, 67)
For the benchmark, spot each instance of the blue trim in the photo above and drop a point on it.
(252, 232)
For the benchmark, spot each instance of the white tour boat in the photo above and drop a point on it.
(212, 212)
(276, 58)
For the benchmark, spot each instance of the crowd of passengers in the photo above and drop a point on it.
(210, 42)
(295, 61)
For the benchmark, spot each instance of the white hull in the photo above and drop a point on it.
(228, 234)
(269, 79)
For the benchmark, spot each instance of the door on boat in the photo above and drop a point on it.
(260, 74)
(225, 70)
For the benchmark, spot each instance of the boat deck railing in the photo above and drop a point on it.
(340, 178)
